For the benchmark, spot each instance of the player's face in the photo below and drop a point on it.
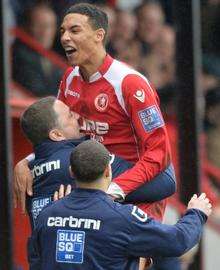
(67, 121)
(78, 39)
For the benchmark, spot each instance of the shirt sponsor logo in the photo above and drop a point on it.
(72, 93)
(139, 214)
(151, 118)
(101, 102)
(140, 95)
(90, 126)
(72, 222)
(37, 205)
(45, 167)
(70, 246)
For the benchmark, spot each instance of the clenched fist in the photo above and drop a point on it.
(201, 203)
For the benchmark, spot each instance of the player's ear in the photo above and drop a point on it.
(100, 34)
(108, 172)
(71, 173)
(56, 135)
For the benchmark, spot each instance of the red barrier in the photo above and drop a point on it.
(20, 99)
(212, 170)
(21, 227)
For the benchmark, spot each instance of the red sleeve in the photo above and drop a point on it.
(62, 87)
(141, 104)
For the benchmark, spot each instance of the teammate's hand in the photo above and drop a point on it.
(145, 263)
(23, 181)
(63, 191)
(201, 203)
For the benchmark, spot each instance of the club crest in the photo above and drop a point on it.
(101, 102)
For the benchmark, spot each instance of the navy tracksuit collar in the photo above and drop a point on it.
(48, 147)
(87, 192)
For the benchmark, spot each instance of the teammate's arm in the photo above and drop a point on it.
(151, 238)
(161, 186)
(22, 185)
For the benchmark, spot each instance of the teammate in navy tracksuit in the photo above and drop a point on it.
(88, 230)
(50, 169)
(53, 130)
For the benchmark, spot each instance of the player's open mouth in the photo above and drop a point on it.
(70, 51)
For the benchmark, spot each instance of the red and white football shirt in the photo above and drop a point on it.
(120, 109)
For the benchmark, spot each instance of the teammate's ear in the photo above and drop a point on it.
(106, 172)
(56, 135)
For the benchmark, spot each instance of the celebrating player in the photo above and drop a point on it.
(117, 104)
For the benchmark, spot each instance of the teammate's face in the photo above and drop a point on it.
(67, 120)
(78, 39)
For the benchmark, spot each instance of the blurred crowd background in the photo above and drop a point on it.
(142, 34)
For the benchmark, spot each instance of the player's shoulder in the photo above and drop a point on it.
(67, 146)
(127, 213)
(122, 76)
(71, 71)
(68, 77)
(51, 209)
(133, 217)
(118, 71)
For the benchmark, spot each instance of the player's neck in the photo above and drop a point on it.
(99, 184)
(93, 65)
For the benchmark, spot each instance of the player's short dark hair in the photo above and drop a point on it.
(97, 17)
(39, 119)
(88, 161)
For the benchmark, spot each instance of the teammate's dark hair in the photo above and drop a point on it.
(39, 119)
(88, 161)
(97, 17)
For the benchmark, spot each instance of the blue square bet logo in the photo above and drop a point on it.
(151, 118)
(70, 246)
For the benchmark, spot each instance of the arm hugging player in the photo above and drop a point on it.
(54, 132)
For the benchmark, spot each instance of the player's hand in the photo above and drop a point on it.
(201, 203)
(23, 181)
(62, 192)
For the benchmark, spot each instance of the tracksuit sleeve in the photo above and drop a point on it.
(160, 187)
(151, 238)
(141, 104)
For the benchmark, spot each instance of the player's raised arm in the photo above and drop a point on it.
(141, 104)
(152, 238)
